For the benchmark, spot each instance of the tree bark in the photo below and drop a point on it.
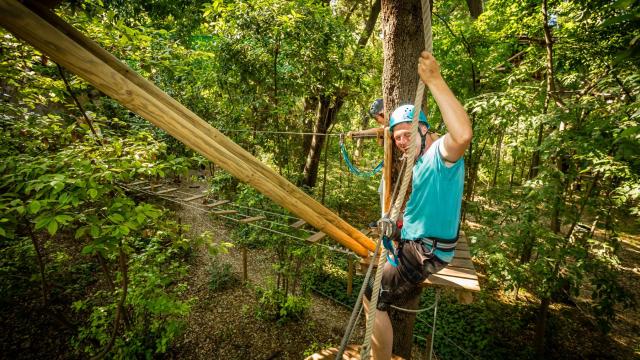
(403, 42)
(496, 169)
(541, 323)
(327, 113)
(475, 8)
(371, 23)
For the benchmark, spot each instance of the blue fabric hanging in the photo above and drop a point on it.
(354, 169)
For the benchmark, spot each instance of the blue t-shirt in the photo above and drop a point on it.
(433, 209)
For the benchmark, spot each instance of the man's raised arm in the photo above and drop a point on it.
(459, 133)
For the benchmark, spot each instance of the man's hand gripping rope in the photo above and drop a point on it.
(390, 233)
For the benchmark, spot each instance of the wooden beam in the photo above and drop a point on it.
(316, 237)
(166, 191)
(387, 169)
(71, 49)
(151, 187)
(194, 197)
(291, 196)
(298, 224)
(217, 203)
(252, 219)
(139, 182)
(452, 282)
(224, 212)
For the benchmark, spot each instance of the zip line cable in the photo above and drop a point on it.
(287, 132)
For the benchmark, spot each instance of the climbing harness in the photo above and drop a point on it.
(354, 170)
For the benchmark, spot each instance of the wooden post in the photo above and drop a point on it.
(245, 276)
(80, 55)
(350, 276)
(387, 169)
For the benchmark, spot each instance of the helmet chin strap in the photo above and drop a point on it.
(423, 141)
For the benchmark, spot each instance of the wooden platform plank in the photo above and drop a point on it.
(463, 263)
(252, 219)
(352, 352)
(462, 245)
(166, 191)
(459, 272)
(462, 254)
(139, 182)
(217, 203)
(194, 197)
(452, 282)
(298, 224)
(316, 237)
(225, 212)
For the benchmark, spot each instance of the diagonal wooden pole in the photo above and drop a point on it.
(141, 96)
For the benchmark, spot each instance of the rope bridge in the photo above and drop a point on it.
(45, 31)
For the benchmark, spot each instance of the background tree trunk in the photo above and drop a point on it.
(330, 105)
(327, 113)
(475, 8)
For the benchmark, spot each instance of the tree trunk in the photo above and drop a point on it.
(541, 325)
(363, 126)
(329, 106)
(496, 169)
(475, 8)
(535, 159)
(371, 23)
(327, 113)
(403, 41)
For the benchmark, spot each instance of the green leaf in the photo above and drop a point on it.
(52, 227)
(80, 232)
(116, 218)
(42, 222)
(63, 219)
(93, 193)
(123, 230)
(35, 206)
(2, 232)
(89, 249)
(95, 231)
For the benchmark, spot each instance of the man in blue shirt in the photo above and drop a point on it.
(430, 221)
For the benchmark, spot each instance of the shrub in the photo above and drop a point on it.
(220, 276)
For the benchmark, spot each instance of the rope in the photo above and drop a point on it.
(357, 307)
(353, 168)
(435, 317)
(447, 339)
(406, 179)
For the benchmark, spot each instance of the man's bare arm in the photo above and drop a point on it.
(459, 133)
